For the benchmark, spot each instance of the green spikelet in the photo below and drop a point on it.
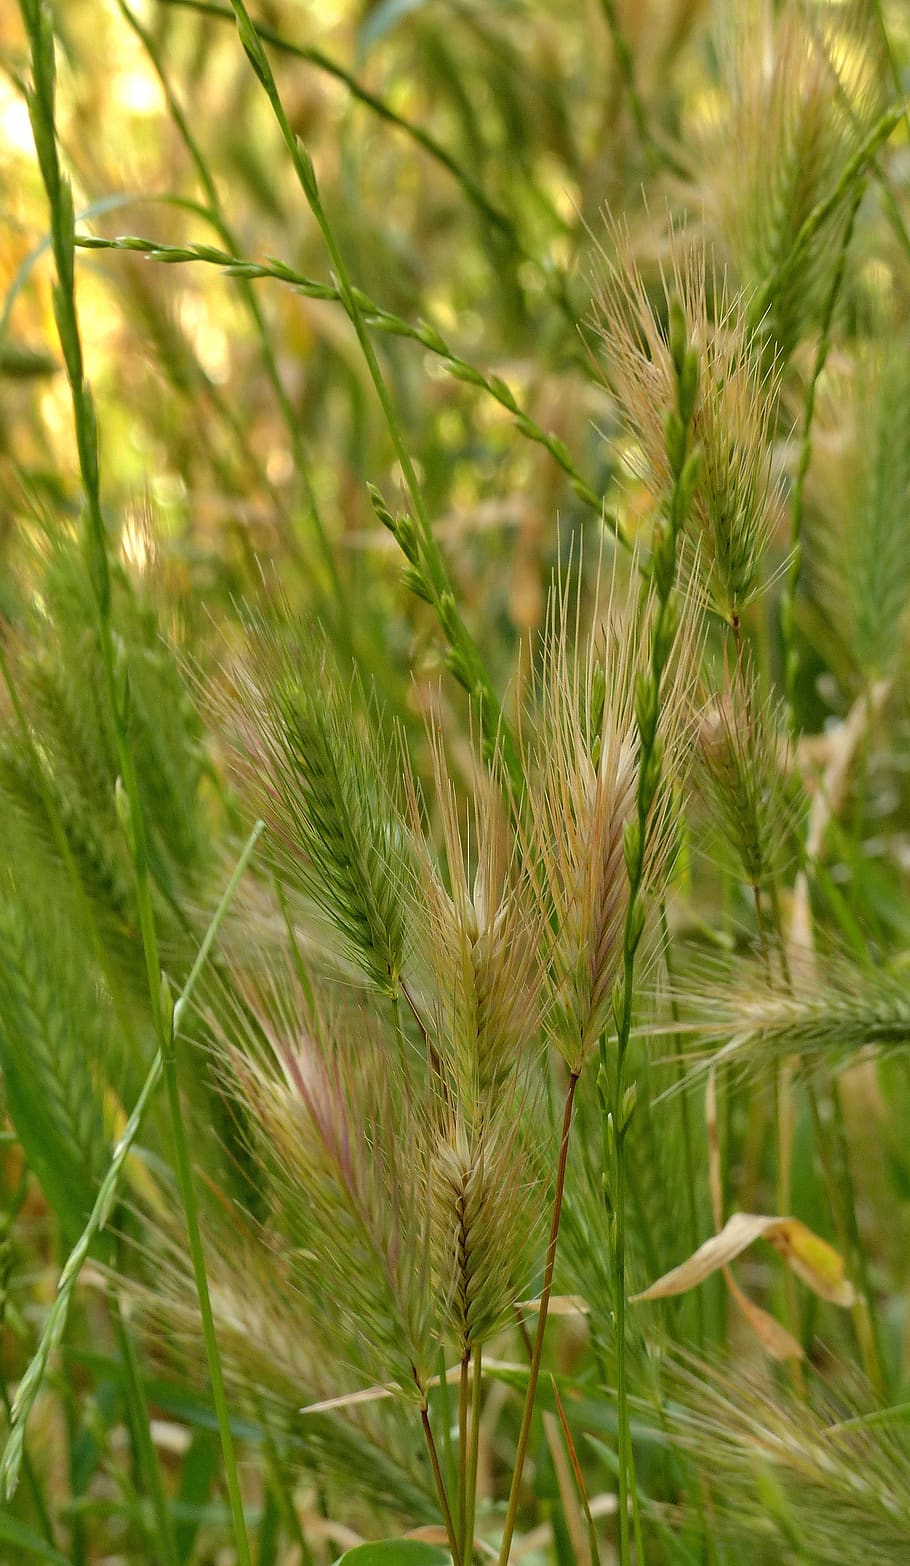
(858, 564)
(50, 1033)
(321, 780)
(742, 763)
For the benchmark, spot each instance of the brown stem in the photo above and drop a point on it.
(440, 1485)
(534, 1372)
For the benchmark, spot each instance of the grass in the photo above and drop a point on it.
(481, 464)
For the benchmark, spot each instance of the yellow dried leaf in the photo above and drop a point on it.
(774, 1338)
(810, 1257)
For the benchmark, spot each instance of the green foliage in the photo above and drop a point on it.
(578, 930)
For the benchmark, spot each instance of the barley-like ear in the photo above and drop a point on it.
(581, 804)
(858, 555)
(736, 505)
(479, 939)
(809, 1472)
(830, 1011)
(54, 1038)
(487, 1201)
(323, 783)
(797, 108)
(742, 759)
(336, 1127)
(280, 1355)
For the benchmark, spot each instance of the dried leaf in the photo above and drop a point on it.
(774, 1338)
(810, 1257)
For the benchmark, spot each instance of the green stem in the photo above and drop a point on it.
(197, 1254)
(445, 1420)
(428, 338)
(553, 277)
(464, 1387)
(618, 1102)
(685, 1119)
(791, 581)
(476, 1389)
(284, 1501)
(30, 1384)
(149, 1466)
(820, 213)
(440, 1484)
(39, 30)
(543, 1309)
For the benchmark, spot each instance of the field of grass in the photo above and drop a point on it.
(455, 782)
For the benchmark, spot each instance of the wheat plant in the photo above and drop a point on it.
(454, 925)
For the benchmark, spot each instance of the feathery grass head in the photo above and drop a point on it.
(479, 940)
(801, 95)
(337, 1130)
(736, 504)
(318, 775)
(808, 1473)
(858, 556)
(487, 1202)
(829, 1011)
(742, 763)
(581, 804)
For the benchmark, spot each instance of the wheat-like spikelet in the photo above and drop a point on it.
(479, 940)
(742, 757)
(858, 555)
(793, 117)
(737, 505)
(829, 1011)
(320, 780)
(53, 1040)
(336, 1127)
(581, 803)
(803, 1472)
(487, 1202)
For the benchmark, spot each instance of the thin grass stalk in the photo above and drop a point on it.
(30, 1384)
(791, 580)
(617, 1104)
(473, 1451)
(439, 1482)
(685, 1121)
(428, 337)
(197, 1255)
(464, 1392)
(475, 194)
(593, 1547)
(625, 61)
(553, 276)
(283, 1498)
(865, 1316)
(543, 1310)
(39, 30)
(464, 659)
(140, 1424)
(449, 1455)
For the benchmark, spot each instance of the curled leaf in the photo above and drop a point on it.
(810, 1257)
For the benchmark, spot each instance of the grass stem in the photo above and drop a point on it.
(543, 1308)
